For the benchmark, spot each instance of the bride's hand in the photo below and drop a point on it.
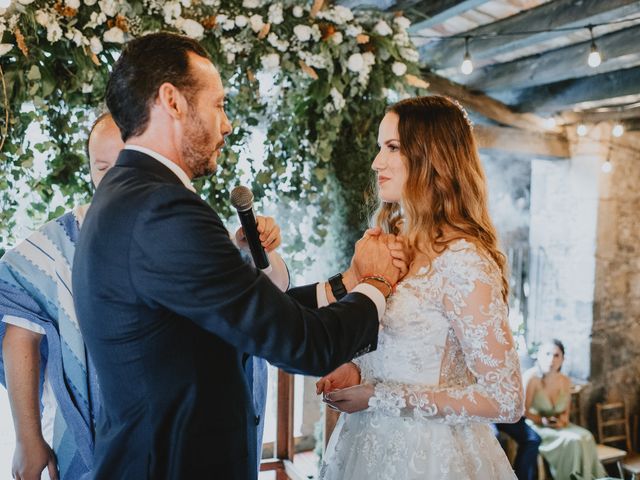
(350, 400)
(400, 252)
(346, 375)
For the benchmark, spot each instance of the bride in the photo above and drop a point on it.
(419, 406)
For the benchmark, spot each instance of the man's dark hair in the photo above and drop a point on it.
(145, 64)
(97, 122)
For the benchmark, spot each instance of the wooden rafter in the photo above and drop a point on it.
(564, 95)
(522, 142)
(483, 104)
(551, 15)
(619, 50)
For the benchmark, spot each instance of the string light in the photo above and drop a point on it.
(581, 130)
(617, 130)
(467, 64)
(550, 123)
(594, 59)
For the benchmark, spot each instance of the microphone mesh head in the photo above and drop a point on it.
(241, 198)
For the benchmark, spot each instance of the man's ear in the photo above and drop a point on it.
(171, 100)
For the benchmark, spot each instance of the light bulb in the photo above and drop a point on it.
(467, 66)
(594, 58)
(581, 130)
(5, 3)
(617, 130)
(606, 167)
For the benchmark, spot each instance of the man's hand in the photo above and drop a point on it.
(269, 234)
(31, 458)
(373, 257)
(346, 375)
(350, 400)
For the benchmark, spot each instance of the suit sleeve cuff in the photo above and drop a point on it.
(374, 294)
(321, 295)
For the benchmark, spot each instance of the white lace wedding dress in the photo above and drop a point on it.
(444, 368)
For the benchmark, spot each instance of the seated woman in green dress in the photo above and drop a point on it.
(569, 450)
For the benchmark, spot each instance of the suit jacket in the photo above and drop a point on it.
(168, 310)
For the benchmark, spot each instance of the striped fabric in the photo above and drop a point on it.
(35, 284)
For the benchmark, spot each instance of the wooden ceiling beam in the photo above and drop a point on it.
(483, 104)
(564, 95)
(521, 142)
(618, 49)
(600, 115)
(551, 15)
(436, 12)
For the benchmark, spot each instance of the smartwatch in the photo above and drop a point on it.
(337, 287)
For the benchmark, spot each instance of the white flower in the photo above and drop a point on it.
(409, 54)
(401, 39)
(75, 4)
(171, 11)
(42, 17)
(368, 58)
(87, 88)
(241, 21)
(109, 7)
(114, 35)
(231, 57)
(316, 33)
(228, 24)
(54, 32)
(96, 19)
(76, 36)
(353, 30)
(298, 11)
(399, 68)
(281, 45)
(190, 27)
(210, 3)
(250, 3)
(95, 45)
(317, 60)
(402, 22)
(337, 38)
(185, 3)
(338, 15)
(270, 62)
(382, 28)
(355, 62)
(275, 14)
(338, 99)
(89, 3)
(4, 48)
(303, 32)
(26, 2)
(256, 22)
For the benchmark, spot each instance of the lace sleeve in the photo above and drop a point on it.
(473, 304)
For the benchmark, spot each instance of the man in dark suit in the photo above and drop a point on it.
(166, 305)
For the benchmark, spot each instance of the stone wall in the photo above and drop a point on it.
(615, 349)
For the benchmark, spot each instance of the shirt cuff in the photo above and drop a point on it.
(321, 295)
(374, 294)
(23, 323)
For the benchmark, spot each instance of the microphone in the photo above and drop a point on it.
(242, 200)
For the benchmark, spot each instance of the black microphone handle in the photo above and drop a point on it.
(250, 226)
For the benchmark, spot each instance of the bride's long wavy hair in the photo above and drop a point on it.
(445, 190)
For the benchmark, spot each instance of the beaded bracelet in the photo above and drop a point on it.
(379, 279)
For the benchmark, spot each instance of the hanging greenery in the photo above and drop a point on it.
(316, 79)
